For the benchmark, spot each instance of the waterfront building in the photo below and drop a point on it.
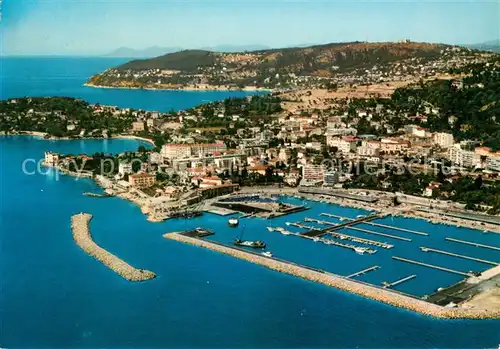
(142, 180)
(312, 174)
(124, 168)
(330, 178)
(172, 151)
(443, 140)
(51, 158)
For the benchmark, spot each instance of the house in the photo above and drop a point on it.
(138, 126)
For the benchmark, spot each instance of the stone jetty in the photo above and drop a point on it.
(353, 286)
(83, 238)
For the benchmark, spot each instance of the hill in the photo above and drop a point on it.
(271, 68)
(156, 51)
(493, 46)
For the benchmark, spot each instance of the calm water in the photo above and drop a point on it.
(63, 76)
(54, 295)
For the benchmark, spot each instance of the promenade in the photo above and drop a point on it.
(356, 287)
(83, 238)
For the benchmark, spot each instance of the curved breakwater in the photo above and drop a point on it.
(83, 238)
(362, 289)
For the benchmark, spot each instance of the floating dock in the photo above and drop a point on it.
(398, 282)
(340, 226)
(358, 229)
(432, 266)
(364, 271)
(378, 225)
(360, 240)
(428, 249)
(380, 234)
(473, 244)
(83, 238)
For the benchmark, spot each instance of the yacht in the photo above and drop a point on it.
(252, 244)
(267, 254)
(359, 250)
(233, 222)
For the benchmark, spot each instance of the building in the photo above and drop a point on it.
(142, 180)
(443, 140)
(388, 145)
(342, 131)
(466, 158)
(368, 151)
(124, 168)
(172, 151)
(344, 144)
(312, 174)
(331, 178)
(51, 158)
(138, 126)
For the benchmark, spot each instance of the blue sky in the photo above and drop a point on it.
(89, 27)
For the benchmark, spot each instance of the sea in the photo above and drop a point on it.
(53, 295)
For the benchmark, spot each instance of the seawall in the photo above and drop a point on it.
(83, 238)
(362, 289)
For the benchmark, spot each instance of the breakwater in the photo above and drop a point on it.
(380, 294)
(83, 238)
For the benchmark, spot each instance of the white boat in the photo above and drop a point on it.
(285, 232)
(359, 250)
(267, 254)
(233, 222)
(288, 223)
(315, 239)
(270, 229)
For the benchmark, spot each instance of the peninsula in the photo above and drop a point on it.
(330, 65)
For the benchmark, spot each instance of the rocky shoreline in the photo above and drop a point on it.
(183, 88)
(361, 289)
(83, 238)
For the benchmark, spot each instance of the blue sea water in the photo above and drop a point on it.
(65, 76)
(53, 295)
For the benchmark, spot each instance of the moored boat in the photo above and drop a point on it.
(233, 222)
(252, 244)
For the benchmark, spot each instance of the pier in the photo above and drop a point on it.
(83, 238)
(317, 232)
(380, 234)
(364, 271)
(397, 282)
(428, 249)
(473, 244)
(432, 266)
(353, 286)
(361, 240)
(378, 225)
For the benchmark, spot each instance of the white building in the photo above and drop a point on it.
(442, 139)
(462, 157)
(172, 151)
(312, 174)
(344, 145)
(331, 178)
(51, 158)
(124, 168)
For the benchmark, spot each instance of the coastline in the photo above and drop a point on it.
(184, 88)
(354, 287)
(45, 136)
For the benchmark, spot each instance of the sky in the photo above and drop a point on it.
(93, 27)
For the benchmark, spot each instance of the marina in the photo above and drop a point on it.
(380, 234)
(381, 294)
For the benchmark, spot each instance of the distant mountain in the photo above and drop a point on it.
(156, 51)
(493, 45)
(149, 52)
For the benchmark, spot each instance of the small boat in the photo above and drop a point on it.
(267, 254)
(359, 250)
(271, 229)
(424, 249)
(315, 239)
(233, 222)
(252, 244)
